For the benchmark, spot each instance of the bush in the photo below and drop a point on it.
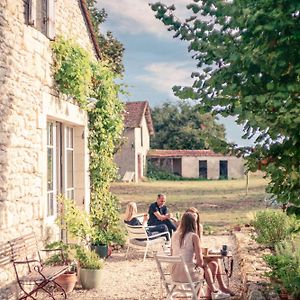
(273, 226)
(285, 265)
(88, 259)
(156, 173)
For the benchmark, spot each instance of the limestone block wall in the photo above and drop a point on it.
(190, 166)
(141, 147)
(28, 99)
(125, 157)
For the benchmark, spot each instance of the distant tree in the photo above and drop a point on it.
(182, 126)
(249, 60)
(111, 49)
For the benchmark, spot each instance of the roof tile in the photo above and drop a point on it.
(179, 153)
(134, 112)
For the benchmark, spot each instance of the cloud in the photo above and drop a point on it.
(163, 76)
(136, 17)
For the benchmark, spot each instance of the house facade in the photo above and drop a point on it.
(43, 134)
(138, 127)
(204, 164)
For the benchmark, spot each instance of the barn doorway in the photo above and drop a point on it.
(223, 169)
(203, 169)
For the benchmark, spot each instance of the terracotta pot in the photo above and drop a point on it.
(283, 295)
(67, 281)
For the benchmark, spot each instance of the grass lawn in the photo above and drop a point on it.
(222, 203)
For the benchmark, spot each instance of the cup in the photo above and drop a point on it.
(204, 251)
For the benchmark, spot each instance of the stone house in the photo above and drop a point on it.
(138, 127)
(204, 164)
(43, 134)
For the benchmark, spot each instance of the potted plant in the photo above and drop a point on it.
(66, 256)
(100, 242)
(90, 268)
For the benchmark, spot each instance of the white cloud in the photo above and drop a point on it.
(163, 76)
(136, 16)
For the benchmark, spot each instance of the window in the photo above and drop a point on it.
(51, 178)
(69, 163)
(60, 163)
(40, 14)
(142, 136)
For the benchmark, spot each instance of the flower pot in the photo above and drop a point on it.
(101, 250)
(67, 281)
(90, 279)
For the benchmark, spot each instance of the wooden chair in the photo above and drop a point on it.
(32, 276)
(138, 238)
(189, 288)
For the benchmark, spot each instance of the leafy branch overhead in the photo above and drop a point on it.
(248, 60)
(111, 49)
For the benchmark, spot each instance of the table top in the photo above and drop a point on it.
(217, 255)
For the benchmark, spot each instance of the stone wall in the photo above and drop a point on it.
(252, 267)
(190, 166)
(27, 93)
(127, 156)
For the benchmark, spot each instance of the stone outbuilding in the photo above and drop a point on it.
(204, 164)
(138, 127)
(43, 134)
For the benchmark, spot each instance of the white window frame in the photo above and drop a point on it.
(67, 147)
(51, 218)
(50, 19)
(60, 149)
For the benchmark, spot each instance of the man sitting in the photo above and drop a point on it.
(158, 214)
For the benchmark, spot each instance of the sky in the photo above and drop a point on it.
(154, 61)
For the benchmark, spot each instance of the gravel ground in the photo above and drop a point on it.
(133, 279)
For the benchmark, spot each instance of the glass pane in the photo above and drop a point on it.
(69, 137)
(49, 169)
(70, 169)
(49, 134)
(50, 206)
(70, 194)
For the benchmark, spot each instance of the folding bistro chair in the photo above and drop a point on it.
(138, 238)
(188, 289)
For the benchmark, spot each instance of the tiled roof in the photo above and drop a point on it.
(90, 27)
(179, 153)
(134, 112)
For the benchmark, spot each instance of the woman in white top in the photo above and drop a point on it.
(213, 263)
(186, 242)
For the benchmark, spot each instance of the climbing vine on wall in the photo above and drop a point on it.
(81, 77)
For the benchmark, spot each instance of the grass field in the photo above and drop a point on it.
(222, 203)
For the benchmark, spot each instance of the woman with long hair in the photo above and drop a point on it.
(213, 263)
(186, 242)
(130, 218)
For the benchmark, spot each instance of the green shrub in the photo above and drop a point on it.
(156, 173)
(273, 226)
(285, 266)
(88, 259)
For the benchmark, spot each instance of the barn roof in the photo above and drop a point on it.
(179, 153)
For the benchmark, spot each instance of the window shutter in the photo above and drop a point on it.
(51, 19)
(31, 12)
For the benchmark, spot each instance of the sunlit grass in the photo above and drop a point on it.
(222, 203)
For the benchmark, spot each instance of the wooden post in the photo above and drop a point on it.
(247, 182)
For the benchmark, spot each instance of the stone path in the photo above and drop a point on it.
(134, 279)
